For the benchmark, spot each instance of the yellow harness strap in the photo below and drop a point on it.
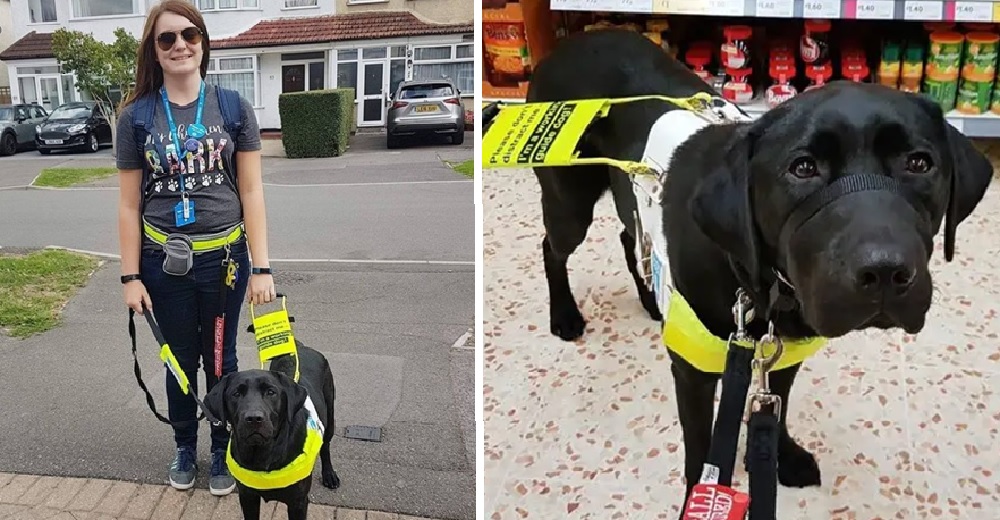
(201, 243)
(684, 334)
(300, 468)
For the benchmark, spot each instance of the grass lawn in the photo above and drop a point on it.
(64, 177)
(35, 287)
(466, 168)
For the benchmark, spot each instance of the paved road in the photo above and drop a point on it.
(375, 249)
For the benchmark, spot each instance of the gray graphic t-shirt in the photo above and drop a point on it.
(206, 173)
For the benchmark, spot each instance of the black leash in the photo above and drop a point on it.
(714, 495)
(158, 334)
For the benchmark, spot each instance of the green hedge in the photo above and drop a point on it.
(316, 123)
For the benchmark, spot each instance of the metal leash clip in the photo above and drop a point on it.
(743, 313)
(762, 365)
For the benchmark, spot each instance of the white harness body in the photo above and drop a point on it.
(669, 132)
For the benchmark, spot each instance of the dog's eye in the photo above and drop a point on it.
(270, 391)
(804, 168)
(919, 163)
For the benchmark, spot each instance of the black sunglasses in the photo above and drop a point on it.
(191, 35)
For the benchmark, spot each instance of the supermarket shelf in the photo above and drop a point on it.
(986, 125)
(913, 10)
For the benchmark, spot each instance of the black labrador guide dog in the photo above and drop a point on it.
(853, 260)
(267, 413)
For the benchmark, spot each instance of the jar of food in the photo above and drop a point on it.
(818, 75)
(737, 88)
(814, 47)
(782, 72)
(888, 67)
(912, 71)
(698, 58)
(736, 47)
(854, 70)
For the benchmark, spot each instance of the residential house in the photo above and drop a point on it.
(6, 38)
(263, 48)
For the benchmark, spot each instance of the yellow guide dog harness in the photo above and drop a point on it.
(547, 134)
(300, 468)
(273, 334)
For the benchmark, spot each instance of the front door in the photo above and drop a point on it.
(372, 94)
(49, 96)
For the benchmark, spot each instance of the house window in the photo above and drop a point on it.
(291, 4)
(239, 74)
(347, 69)
(92, 8)
(42, 11)
(222, 5)
(455, 62)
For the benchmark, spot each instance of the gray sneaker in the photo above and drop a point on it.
(183, 469)
(221, 482)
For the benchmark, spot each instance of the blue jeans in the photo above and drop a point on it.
(185, 308)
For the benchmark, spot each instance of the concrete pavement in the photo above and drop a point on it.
(386, 302)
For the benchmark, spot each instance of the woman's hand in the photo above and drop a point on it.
(261, 289)
(136, 296)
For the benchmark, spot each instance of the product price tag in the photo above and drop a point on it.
(874, 9)
(775, 8)
(633, 6)
(821, 9)
(700, 7)
(973, 11)
(923, 10)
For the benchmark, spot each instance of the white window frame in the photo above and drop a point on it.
(326, 74)
(213, 70)
(241, 5)
(53, 22)
(136, 11)
(362, 2)
(452, 59)
(286, 7)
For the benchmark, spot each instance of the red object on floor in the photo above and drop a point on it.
(716, 502)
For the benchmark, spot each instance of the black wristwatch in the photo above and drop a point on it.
(260, 270)
(130, 277)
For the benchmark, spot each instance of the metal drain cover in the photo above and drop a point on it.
(364, 433)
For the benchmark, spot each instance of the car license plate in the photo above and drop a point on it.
(426, 108)
(53, 141)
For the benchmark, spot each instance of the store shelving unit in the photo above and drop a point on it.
(539, 16)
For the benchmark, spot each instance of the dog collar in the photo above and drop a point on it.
(299, 468)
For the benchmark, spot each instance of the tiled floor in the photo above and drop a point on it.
(903, 426)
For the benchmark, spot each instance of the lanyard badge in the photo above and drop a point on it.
(184, 210)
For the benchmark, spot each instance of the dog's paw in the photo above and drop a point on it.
(331, 480)
(797, 467)
(568, 324)
(649, 303)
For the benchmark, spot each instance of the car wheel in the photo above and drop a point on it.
(8, 144)
(458, 137)
(92, 144)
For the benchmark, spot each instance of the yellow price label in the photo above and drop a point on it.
(996, 11)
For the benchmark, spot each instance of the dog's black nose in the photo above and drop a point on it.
(254, 418)
(884, 271)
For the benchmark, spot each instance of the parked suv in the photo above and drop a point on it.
(75, 125)
(17, 126)
(425, 107)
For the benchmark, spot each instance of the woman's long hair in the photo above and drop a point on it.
(149, 73)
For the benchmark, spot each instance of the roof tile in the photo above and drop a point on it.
(286, 31)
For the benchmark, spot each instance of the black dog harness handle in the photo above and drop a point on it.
(158, 334)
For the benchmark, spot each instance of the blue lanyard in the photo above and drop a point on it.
(174, 136)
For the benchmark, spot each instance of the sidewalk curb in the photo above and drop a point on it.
(31, 497)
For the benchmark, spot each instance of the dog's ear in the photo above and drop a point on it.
(971, 175)
(295, 395)
(215, 400)
(722, 207)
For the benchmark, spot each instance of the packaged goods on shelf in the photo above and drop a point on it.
(760, 62)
